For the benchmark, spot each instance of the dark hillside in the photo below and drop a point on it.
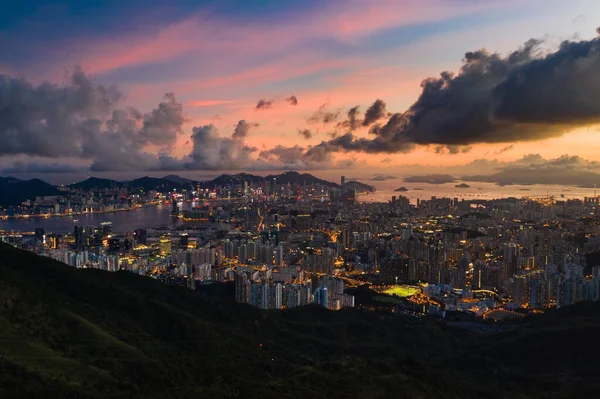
(14, 191)
(93, 334)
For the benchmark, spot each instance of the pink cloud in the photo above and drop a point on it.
(357, 18)
(136, 49)
(207, 103)
(296, 65)
(228, 39)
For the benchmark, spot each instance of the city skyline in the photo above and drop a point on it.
(268, 86)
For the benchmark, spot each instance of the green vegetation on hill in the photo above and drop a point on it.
(91, 334)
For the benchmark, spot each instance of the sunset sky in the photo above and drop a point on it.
(221, 58)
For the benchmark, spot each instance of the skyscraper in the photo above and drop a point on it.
(183, 240)
(78, 234)
(242, 288)
(463, 268)
(343, 184)
(39, 234)
(105, 228)
(175, 207)
(279, 255)
(141, 236)
(321, 296)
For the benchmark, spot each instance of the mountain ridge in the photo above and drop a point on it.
(14, 191)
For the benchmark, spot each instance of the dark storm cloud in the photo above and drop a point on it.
(306, 133)
(320, 153)
(48, 120)
(163, 124)
(82, 119)
(386, 140)
(211, 151)
(523, 96)
(84, 122)
(242, 129)
(215, 152)
(118, 143)
(375, 112)
(292, 100)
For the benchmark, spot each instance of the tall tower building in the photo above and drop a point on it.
(463, 268)
(321, 296)
(105, 228)
(343, 184)
(184, 240)
(78, 233)
(175, 207)
(279, 255)
(242, 288)
(39, 234)
(141, 236)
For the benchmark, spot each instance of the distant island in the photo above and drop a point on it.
(401, 189)
(529, 176)
(360, 187)
(431, 179)
(462, 185)
(383, 178)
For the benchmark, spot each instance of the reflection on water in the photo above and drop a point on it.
(486, 191)
(145, 217)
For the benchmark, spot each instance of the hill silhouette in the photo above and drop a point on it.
(87, 333)
(14, 191)
(96, 183)
(293, 177)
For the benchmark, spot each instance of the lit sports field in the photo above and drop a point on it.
(402, 290)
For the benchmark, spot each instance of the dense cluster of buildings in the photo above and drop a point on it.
(78, 202)
(261, 291)
(290, 245)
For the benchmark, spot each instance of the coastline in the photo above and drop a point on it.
(52, 216)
